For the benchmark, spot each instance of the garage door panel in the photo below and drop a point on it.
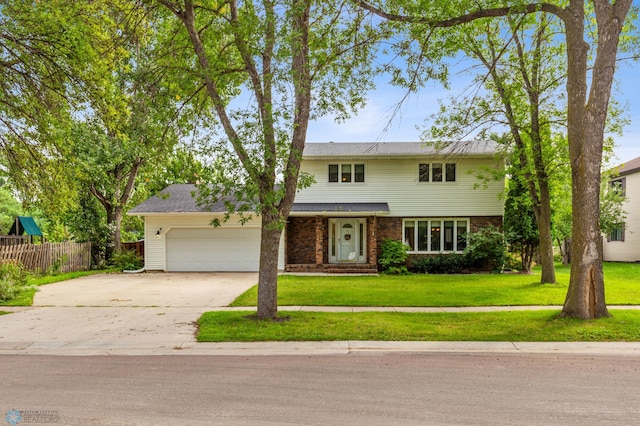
(213, 249)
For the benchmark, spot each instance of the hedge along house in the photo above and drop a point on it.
(363, 193)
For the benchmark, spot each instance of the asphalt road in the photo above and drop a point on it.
(363, 389)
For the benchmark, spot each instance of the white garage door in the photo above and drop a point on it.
(213, 249)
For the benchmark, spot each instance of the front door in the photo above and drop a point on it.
(347, 252)
(347, 240)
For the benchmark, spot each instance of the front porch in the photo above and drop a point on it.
(321, 244)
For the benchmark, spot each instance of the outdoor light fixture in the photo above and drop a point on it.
(158, 233)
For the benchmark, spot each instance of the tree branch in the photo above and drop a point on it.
(469, 17)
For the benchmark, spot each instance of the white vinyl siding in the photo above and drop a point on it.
(628, 249)
(395, 181)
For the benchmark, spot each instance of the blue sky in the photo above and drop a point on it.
(370, 123)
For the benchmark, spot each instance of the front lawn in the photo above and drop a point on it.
(522, 326)
(621, 287)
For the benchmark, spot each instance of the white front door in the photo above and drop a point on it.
(347, 240)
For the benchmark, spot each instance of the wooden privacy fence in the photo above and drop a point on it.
(61, 257)
(138, 247)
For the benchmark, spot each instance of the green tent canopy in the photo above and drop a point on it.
(25, 225)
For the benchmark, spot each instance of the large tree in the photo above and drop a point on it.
(588, 94)
(518, 85)
(297, 59)
(52, 54)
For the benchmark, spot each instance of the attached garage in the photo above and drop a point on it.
(179, 236)
(228, 249)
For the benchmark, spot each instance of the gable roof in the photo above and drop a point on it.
(177, 198)
(629, 167)
(398, 149)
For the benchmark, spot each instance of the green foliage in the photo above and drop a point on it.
(441, 264)
(393, 256)
(487, 247)
(127, 260)
(520, 227)
(13, 280)
(9, 209)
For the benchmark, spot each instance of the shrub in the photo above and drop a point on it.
(393, 257)
(487, 247)
(441, 264)
(13, 279)
(127, 260)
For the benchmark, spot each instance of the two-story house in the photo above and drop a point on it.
(363, 193)
(623, 244)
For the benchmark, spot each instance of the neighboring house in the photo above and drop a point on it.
(623, 244)
(363, 193)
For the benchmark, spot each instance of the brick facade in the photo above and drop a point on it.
(307, 242)
(300, 240)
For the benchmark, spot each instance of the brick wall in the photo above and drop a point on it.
(388, 227)
(477, 222)
(301, 237)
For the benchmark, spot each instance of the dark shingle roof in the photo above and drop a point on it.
(178, 198)
(181, 198)
(397, 149)
(629, 167)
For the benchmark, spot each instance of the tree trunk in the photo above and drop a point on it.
(585, 297)
(546, 239)
(117, 228)
(268, 275)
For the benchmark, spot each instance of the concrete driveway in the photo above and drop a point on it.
(119, 313)
(148, 289)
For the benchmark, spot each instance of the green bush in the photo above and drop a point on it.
(487, 248)
(127, 260)
(441, 264)
(13, 279)
(393, 257)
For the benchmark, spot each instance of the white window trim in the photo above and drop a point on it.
(353, 173)
(432, 219)
(444, 172)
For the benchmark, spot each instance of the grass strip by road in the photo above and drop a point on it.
(514, 326)
(25, 297)
(621, 288)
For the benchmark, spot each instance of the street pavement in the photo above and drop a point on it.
(155, 314)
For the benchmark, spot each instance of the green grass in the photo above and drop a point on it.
(521, 326)
(25, 297)
(621, 287)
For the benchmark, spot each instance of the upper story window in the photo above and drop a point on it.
(346, 172)
(437, 172)
(619, 186)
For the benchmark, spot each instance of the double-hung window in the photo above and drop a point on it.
(435, 235)
(346, 173)
(437, 172)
